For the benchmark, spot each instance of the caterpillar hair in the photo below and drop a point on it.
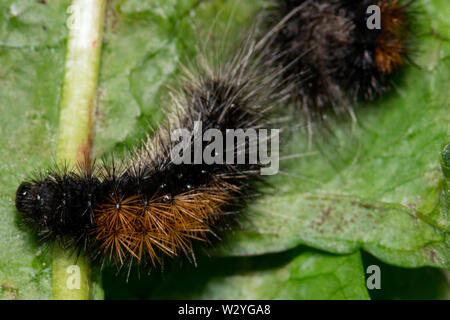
(148, 207)
(333, 55)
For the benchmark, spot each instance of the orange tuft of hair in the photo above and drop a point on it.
(391, 43)
(134, 226)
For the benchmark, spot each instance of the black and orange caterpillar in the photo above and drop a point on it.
(148, 207)
(318, 53)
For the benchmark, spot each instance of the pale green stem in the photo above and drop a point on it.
(75, 127)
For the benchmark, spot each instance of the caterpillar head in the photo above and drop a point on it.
(35, 201)
(57, 204)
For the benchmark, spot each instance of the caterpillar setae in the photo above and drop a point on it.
(318, 53)
(334, 52)
(148, 207)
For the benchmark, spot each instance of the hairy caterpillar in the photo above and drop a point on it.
(332, 53)
(148, 207)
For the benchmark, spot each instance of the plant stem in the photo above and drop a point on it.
(75, 131)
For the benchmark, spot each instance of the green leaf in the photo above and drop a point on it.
(143, 44)
(403, 284)
(32, 60)
(309, 276)
(296, 274)
(376, 185)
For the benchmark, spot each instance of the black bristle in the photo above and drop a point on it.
(64, 205)
(329, 54)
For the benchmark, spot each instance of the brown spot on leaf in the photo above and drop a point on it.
(433, 255)
(10, 290)
(363, 205)
(111, 17)
(327, 212)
